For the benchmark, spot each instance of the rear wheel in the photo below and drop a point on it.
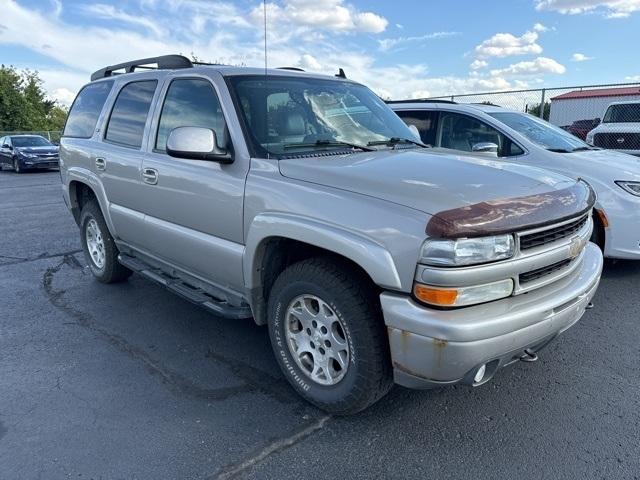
(328, 335)
(99, 248)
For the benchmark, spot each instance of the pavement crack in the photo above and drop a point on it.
(276, 446)
(42, 256)
(172, 380)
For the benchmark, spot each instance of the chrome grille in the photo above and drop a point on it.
(545, 237)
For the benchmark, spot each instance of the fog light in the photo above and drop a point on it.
(480, 374)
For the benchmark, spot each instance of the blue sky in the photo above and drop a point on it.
(400, 48)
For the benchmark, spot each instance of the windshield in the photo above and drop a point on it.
(629, 112)
(540, 132)
(30, 142)
(293, 115)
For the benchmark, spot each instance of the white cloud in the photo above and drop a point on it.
(507, 44)
(387, 44)
(633, 78)
(580, 57)
(478, 64)
(328, 15)
(608, 8)
(539, 66)
(538, 27)
(101, 10)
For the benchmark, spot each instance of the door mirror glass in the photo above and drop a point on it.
(196, 143)
(6, 145)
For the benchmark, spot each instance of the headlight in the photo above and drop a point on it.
(632, 187)
(463, 296)
(29, 155)
(589, 138)
(467, 251)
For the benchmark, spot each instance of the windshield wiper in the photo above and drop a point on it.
(328, 143)
(564, 150)
(393, 141)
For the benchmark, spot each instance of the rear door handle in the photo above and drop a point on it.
(150, 176)
(101, 163)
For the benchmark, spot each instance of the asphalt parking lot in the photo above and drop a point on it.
(129, 381)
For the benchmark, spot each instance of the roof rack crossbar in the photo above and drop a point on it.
(163, 62)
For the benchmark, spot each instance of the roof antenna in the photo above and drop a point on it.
(341, 74)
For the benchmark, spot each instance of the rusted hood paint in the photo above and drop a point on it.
(513, 214)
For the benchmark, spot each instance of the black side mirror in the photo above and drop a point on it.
(196, 143)
(6, 145)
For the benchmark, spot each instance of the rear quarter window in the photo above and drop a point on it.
(86, 109)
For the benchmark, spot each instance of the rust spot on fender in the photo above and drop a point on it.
(440, 343)
(513, 214)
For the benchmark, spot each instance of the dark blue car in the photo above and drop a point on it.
(27, 152)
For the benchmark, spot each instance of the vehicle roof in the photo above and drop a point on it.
(25, 135)
(629, 102)
(462, 107)
(226, 71)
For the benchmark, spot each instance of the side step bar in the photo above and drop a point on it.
(186, 291)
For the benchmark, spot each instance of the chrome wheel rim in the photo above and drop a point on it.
(95, 243)
(317, 340)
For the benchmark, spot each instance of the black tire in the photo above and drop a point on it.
(111, 271)
(16, 166)
(352, 297)
(598, 234)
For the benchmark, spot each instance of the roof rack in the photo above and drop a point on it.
(422, 100)
(163, 62)
(294, 69)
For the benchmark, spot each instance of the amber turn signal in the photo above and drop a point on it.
(435, 296)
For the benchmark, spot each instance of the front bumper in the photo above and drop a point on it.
(430, 348)
(39, 164)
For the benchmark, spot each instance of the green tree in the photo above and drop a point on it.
(24, 104)
(535, 110)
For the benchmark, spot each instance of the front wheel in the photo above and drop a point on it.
(16, 166)
(99, 248)
(328, 335)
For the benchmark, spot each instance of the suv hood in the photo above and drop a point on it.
(424, 180)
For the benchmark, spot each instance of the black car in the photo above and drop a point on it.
(27, 152)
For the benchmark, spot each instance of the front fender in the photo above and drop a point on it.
(371, 256)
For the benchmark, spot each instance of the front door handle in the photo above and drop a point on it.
(101, 164)
(150, 176)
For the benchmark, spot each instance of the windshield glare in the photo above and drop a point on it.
(629, 112)
(540, 132)
(288, 115)
(30, 142)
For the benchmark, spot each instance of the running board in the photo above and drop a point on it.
(193, 294)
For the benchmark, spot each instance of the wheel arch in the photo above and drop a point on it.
(277, 240)
(85, 186)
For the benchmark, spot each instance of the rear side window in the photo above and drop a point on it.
(129, 114)
(190, 103)
(425, 121)
(86, 109)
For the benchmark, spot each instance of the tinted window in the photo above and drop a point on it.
(31, 141)
(190, 103)
(129, 114)
(425, 121)
(540, 132)
(622, 113)
(462, 132)
(86, 109)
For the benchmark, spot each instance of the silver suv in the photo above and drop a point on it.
(304, 202)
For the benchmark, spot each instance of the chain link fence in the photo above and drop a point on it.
(52, 135)
(577, 109)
